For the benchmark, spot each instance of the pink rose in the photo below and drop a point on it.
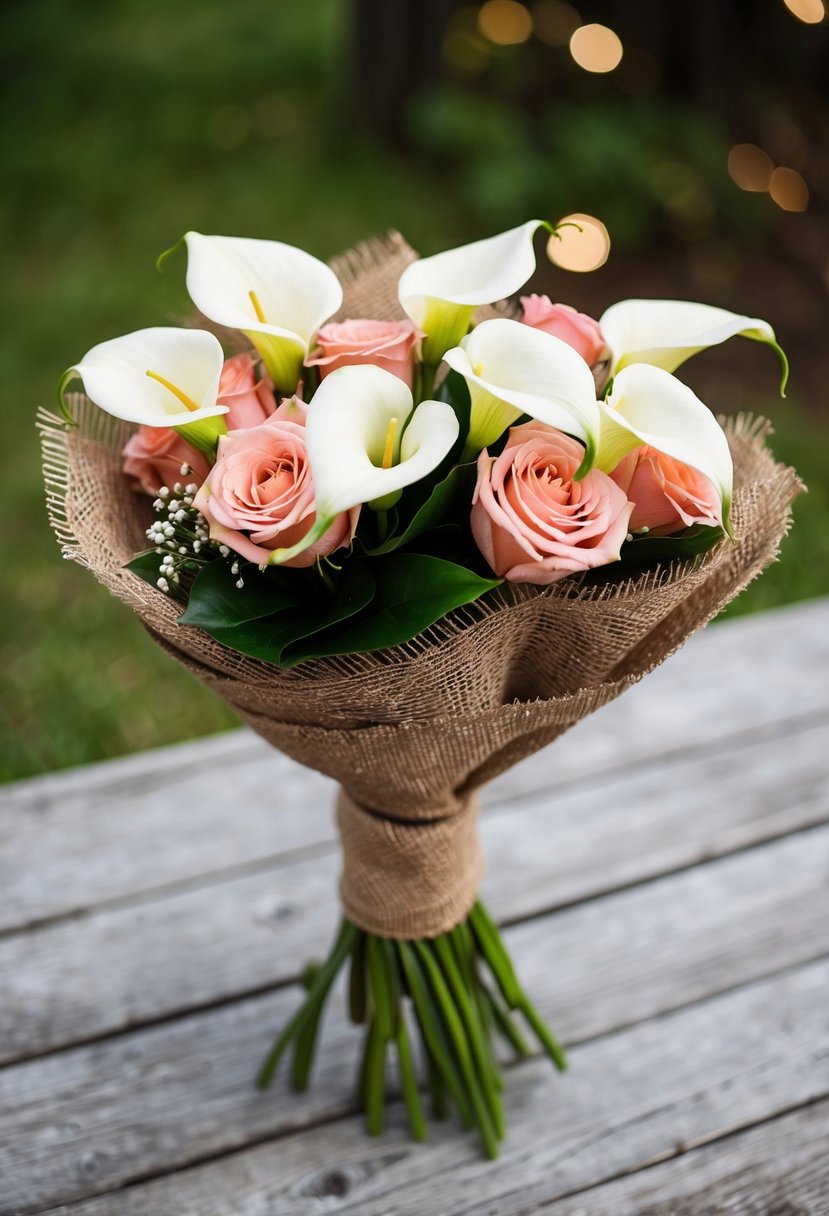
(249, 401)
(668, 495)
(532, 522)
(391, 345)
(154, 456)
(261, 485)
(575, 328)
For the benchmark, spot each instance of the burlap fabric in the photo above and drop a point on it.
(412, 731)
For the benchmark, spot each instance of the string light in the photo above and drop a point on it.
(579, 248)
(505, 22)
(810, 12)
(750, 167)
(788, 189)
(596, 48)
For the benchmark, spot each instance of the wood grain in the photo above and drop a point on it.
(99, 1116)
(119, 967)
(633, 1096)
(115, 831)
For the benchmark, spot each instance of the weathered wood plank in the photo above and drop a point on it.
(98, 1116)
(117, 830)
(779, 1168)
(631, 1097)
(118, 967)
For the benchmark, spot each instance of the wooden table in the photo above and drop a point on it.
(662, 871)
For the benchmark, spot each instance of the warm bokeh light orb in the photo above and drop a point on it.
(789, 190)
(505, 22)
(750, 167)
(555, 21)
(810, 12)
(582, 247)
(596, 48)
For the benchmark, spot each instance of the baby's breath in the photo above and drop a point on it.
(180, 536)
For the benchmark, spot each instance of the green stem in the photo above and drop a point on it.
(408, 1080)
(375, 1079)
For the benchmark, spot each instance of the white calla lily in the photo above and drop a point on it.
(648, 405)
(667, 332)
(441, 293)
(158, 377)
(512, 369)
(365, 444)
(276, 294)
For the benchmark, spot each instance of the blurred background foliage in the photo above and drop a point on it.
(702, 150)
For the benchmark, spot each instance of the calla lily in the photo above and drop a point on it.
(365, 443)
(667, 332)
(649, 406)
(441, 293)
(158, 377)
(276, 294)
(512, 369)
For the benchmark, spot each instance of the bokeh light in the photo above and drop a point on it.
(750, 167)
(789, 190)
(555, 21)
(583, 246)
(596, 48)
(810, 12)
(505, 22)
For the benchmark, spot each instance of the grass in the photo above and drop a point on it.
(126, 126)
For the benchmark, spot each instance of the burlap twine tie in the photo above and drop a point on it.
(408, 878)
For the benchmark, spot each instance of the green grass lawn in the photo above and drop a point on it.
(127, 124)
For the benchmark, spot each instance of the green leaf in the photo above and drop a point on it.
(643, 550)
(448, 499)
(269, 637)
(413, 591)
(217, 603)
(146, 566)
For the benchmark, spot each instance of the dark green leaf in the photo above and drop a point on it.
(449, 499)
(413, 591)
(146, 566)
(643, 550)
(217, 603)
(269, 637)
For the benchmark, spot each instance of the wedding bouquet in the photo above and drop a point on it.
(410, 545)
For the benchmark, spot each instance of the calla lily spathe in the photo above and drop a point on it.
(441, 293)
(665, 333)
(365, 443)
(512, 369)
(648, 405)
(276, 294)
(158, 377)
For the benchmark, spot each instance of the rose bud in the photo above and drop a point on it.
(390, 345)
(667, 494)
(155, 455)
(259, 495)
(249, 401)
(532, 522)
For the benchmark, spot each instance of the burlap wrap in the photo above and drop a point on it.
(410, 732)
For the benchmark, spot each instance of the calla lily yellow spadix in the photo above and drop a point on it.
(276, 294)
(365, 442)
(512, 369)
(665, 333)
(648, 405)
(158, 377)
(441, 293)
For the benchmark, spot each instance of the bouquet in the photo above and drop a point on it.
(411, 531)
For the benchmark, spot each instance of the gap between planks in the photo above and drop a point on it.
(100, 837)
(155, 1101)
(83, 981)
(737, 1060)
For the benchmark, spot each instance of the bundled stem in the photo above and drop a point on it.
(439, 985)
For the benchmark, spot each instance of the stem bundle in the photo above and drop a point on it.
(438, 985)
